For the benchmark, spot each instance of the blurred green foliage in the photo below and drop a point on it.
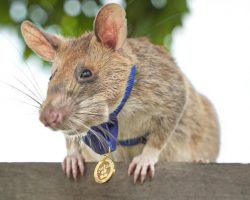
(155, 19)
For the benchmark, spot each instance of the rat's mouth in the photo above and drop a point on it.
(69, 122)
(74, 118)
(69, 128)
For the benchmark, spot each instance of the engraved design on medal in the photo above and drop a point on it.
(104, 170)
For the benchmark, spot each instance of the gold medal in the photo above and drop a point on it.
(104, 170)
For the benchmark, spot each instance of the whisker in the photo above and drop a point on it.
(72, 128)
(122, 151)
(33, 77)
(35, 86)
(28, 104)
(89, 113)
(101, 139)
(14, 87)
(29, 80)
(24, 85)
(87, 106)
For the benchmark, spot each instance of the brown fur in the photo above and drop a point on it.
(182, 123)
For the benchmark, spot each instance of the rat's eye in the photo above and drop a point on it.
(86, 73)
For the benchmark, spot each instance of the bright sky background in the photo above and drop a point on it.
(212, 49)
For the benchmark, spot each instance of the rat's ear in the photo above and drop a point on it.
(44, 44)
(111, 26)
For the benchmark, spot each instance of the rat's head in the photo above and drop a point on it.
(89, 73)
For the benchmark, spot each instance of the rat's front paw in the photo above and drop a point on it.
(73, 165)
(142, 166)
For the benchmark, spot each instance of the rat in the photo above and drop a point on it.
(89, 78)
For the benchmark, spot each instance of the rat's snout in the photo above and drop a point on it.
(52, 117)
(54, 109)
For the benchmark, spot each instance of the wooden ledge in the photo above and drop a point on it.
(174, 181)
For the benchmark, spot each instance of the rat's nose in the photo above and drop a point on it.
(52, 118)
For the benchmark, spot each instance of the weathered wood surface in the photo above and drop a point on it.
(174, 181)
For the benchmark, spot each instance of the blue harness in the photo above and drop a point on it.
(103, 138)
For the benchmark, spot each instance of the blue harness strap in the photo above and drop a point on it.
(103, 138)
(134, 141)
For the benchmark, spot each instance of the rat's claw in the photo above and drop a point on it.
(81, 166)
(142, 166)
(151, 171)
(72, 165)
(131, 168)
(144, 172)
(68, 167)
(137, 172)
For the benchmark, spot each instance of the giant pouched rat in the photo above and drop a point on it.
(88, 82)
